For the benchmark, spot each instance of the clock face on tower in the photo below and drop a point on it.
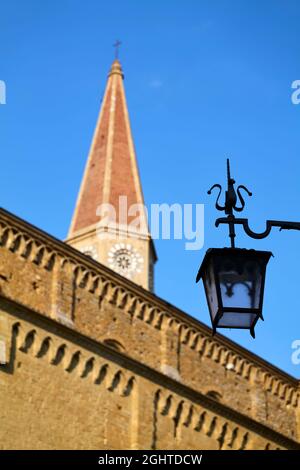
(125, 260)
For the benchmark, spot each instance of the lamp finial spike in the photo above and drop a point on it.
(228, 170)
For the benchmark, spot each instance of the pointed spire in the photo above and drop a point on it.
(111, 174)
(111, 170)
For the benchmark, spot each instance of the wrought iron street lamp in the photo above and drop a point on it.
(234, 278)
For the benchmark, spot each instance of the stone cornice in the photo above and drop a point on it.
(129, 296)
(22, 313)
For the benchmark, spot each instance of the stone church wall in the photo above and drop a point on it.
(50, 279)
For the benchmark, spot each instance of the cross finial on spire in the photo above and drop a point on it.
(116, 45)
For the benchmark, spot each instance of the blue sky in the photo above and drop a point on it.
(204, 80)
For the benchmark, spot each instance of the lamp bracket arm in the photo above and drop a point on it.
(283, 225)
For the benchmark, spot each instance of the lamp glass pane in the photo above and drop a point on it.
(240, 283)
(211, 291)
(239, 320)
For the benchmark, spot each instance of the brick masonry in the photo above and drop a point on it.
(90, 360)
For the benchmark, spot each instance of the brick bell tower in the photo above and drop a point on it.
(109, 222)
